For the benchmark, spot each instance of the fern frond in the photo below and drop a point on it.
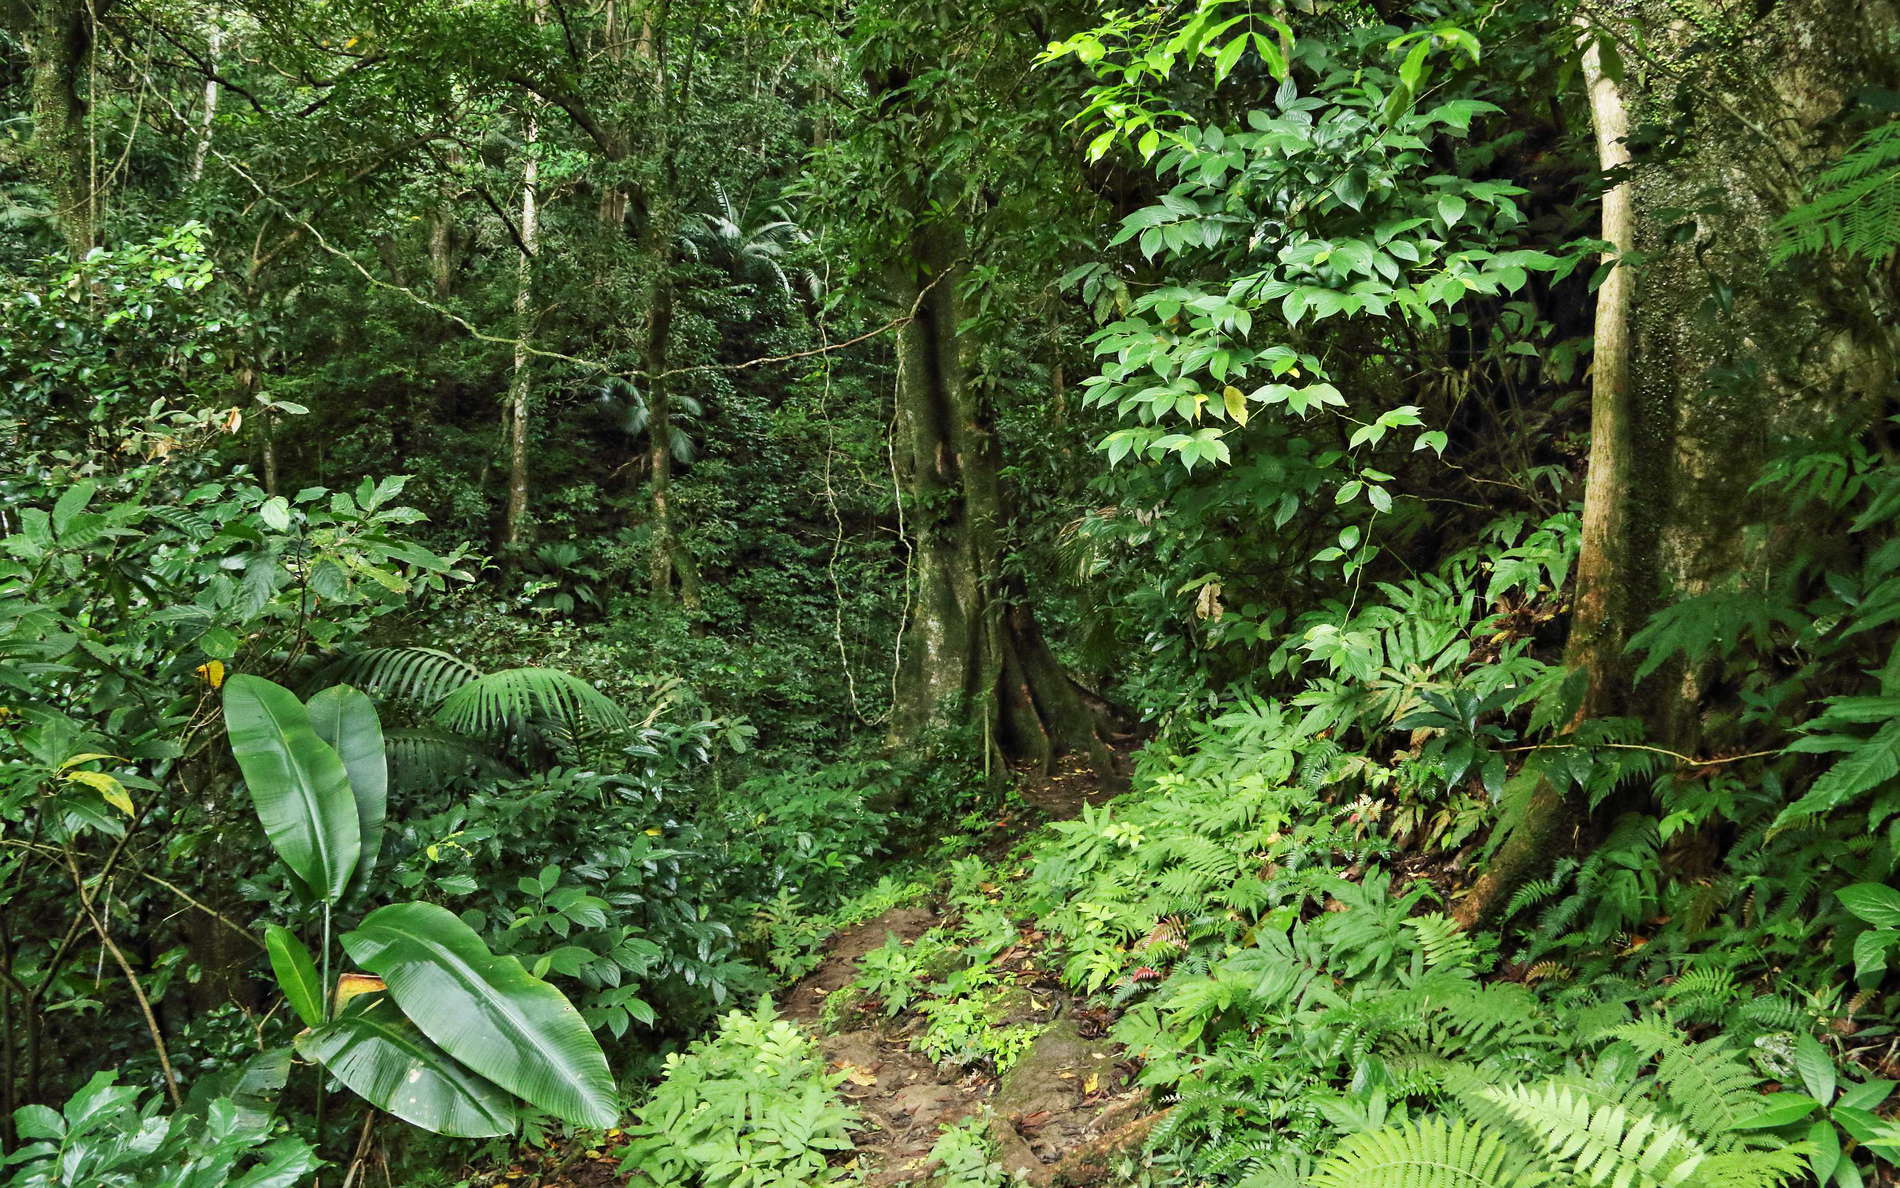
(1708, 1086)
(1857, 208)
(1608, 1143)
(423, 676)
(506, 699)
(1430, 1153)
(1443, 943)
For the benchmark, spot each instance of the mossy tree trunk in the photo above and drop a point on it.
(972, 656)
(59, 47)
(1708, 356)
(669, 563)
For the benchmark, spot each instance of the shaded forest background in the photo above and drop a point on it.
(741, 450)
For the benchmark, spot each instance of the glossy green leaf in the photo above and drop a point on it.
(1824, 1149)
(346, 719)
(297, 782)
(1867, 1095)
(487, 1011)
(1816, 1068)
(1779, 1109)
(389, 1063)
(296, 974)
(1876, 903)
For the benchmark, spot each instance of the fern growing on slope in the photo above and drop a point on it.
(1692, 1123)
(1857, 210)
(1429, 1153)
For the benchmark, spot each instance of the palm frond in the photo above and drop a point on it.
(420, 676)
(513, 697)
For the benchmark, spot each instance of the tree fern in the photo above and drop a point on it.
(1429, 1153)
(507, 699)
(1856, 209)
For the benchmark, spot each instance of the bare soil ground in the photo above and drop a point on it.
(1058, 1115)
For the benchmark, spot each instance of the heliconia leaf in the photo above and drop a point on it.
(346, 719)
(296, 974)
(393, 1066)
(487, 1011)
(297, 783)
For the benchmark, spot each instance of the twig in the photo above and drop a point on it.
(131, 978)
(1687, 760)
(362, 1149)
(53, 852)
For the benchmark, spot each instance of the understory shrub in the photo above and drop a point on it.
(748, 1107)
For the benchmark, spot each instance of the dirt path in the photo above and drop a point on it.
(1061, 1115)
(1058, 1116)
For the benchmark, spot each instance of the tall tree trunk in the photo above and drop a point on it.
(972, 655)
(59, 44)
(1707, 355)
(514, 525)
(668, 560)
(654, 357)
(208, 114)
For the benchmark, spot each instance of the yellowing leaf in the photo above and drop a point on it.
(108, 787)
(1236, 402)
(211, 673)
(349, 985)
(1092, 1084)
(88, 757)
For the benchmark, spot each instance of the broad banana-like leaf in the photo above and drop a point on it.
(346, 719)
(296, 974)
(375, 1051)
(297, 782)
(487, 1011)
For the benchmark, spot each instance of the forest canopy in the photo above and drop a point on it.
(747, 595)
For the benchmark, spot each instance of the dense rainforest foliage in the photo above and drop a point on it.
(753, 593)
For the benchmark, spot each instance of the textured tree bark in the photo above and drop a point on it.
(59, 44)
(1708, 357)
(972, 655)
